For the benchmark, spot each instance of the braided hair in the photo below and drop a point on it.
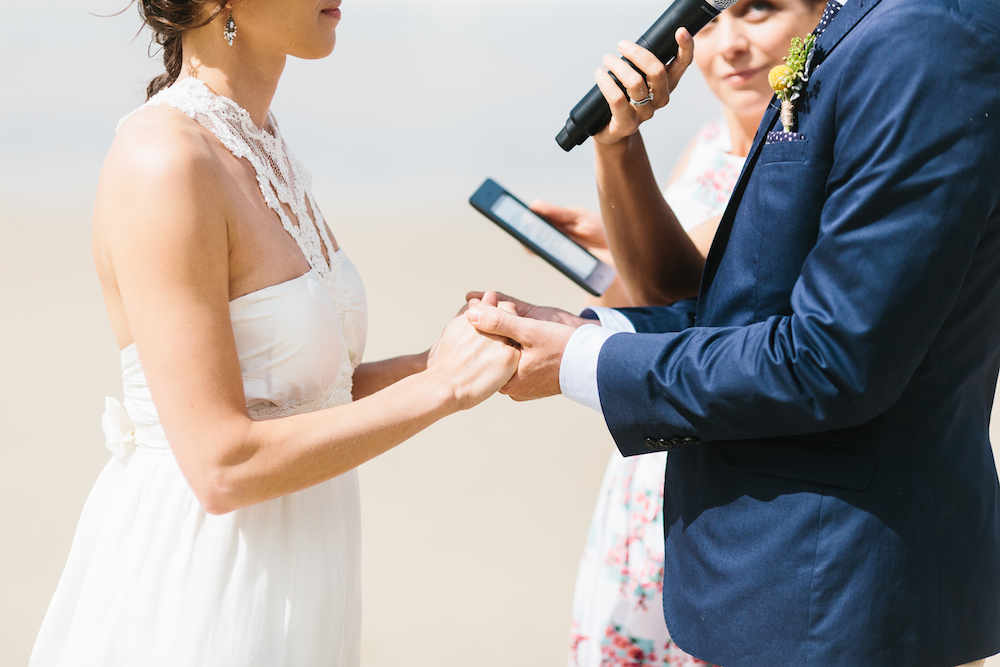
(169, 20)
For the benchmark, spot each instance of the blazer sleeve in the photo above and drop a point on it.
(675, 317)
(913, 186)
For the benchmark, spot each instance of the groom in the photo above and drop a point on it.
(831, 497)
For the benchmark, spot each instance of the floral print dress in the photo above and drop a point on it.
(617, 607)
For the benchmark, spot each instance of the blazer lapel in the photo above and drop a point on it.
(846, 19)
(721, 239)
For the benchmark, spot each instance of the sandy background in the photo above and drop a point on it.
(473, 529)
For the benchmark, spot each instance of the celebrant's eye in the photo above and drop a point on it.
(759, 10)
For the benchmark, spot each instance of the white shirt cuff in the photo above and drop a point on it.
(578, 369)
(610, 318)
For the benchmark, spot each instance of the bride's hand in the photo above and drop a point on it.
(473, 365)
(431, 354)
(660, 82)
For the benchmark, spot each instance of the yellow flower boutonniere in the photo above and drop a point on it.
(787, 80)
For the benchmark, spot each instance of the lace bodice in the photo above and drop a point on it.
(282, 179)
(299, 341)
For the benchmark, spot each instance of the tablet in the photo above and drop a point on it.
(511, 215)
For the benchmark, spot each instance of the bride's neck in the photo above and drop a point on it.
(239, 72)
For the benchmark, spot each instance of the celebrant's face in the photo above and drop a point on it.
(301, 28)
(737, 50)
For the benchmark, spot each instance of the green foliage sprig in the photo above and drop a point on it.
(798, 54)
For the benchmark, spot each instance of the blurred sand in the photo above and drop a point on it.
(472, 530)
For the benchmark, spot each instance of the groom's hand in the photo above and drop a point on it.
(524, 309)
(542, 345)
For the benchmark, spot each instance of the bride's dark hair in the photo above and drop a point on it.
(169, 20)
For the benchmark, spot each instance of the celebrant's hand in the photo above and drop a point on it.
(578, 223)
(644, 97)
(542, 345)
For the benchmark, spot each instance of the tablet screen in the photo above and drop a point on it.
(542, 234)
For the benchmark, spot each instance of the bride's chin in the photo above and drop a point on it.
(318, 51)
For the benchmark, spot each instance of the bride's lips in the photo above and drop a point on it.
(333, 11)
(744, 75)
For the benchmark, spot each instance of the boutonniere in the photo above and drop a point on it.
(788, 80)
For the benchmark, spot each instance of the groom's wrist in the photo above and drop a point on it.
(578, 369)
(577, 321)
(609, 318)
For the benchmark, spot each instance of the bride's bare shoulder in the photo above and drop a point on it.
(160, 181)
(163, 162)
(159, 141)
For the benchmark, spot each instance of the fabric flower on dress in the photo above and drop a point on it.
(119, 431)
(618, 649)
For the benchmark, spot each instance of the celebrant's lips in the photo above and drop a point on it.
(333, 11)
(744, 75)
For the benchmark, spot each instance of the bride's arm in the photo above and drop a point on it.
(374, 376)
(161, 245)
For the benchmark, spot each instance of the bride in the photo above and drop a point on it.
(225, 530)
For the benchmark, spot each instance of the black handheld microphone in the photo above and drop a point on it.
(592, 113)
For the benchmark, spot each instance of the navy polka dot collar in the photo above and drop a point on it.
(832, 7)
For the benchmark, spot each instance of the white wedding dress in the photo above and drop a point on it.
(152, 579)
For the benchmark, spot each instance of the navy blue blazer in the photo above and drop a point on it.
(831, 496)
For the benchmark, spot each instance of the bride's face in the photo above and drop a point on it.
(301, 28)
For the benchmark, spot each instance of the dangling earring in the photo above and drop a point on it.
(230, 31)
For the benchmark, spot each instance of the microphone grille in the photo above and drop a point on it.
(722, 4)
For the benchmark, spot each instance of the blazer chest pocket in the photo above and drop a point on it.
(807, 458)
(783, 147)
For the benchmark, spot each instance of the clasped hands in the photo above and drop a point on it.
(540, 332)
(497, 343)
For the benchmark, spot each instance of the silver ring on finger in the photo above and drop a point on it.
(643, 102)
